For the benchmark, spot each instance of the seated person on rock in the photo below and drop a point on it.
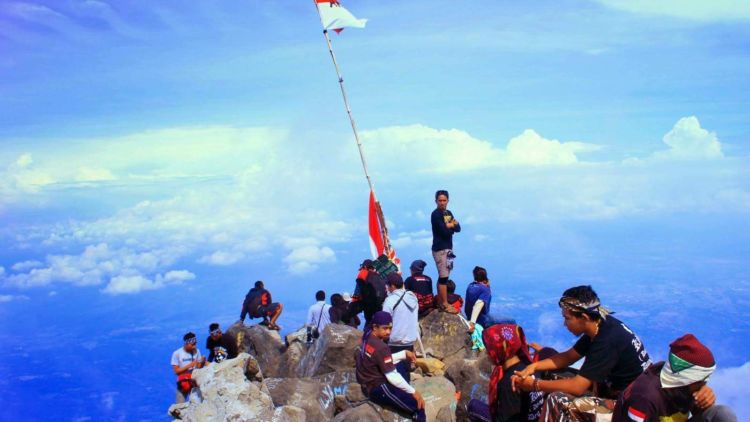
(377, 374)
(369, 292)
(454, 300)
(221, 346)
(421, 285)
(258, 304)
(184, 360)
(478, 298)
(404, 308)
(338, 311)
(672, 390)
(614, 357)
(507, 349)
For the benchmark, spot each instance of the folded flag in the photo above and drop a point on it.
(334, 16)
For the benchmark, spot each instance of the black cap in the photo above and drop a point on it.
(418, 266)
(367, 263)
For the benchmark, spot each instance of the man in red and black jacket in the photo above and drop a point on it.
(421, 286)
(258, 304)
(369, 293)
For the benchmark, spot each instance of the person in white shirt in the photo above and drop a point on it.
(403, 306)
(318, 316)
(184, 360)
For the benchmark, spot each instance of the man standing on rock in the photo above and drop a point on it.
(404, 308)
(443, 227)
(221, 346)
(184, 360)
(377, 374)
(615, 356)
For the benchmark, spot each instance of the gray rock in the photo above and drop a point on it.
(438, 393)
(289, 414)
(227, 395)
(446, 414)
(355, 394)
(370, 412)
(304, 393)
(332, 352)
(444, 336)
(264, 344)
(340, 404)
(335, 383)
(471, 377)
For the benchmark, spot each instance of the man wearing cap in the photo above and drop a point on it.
(421, 285)
(184, 360)
(671, 390)
(478, 298)
(377, 374)
(369, 292)
(444, 225)
(615, 357)
(404, 308)
(220, 345)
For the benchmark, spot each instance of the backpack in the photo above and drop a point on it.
(253, 302)
(378, 283)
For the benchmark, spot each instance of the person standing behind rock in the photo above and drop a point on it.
(421, 286)
(318, 316)
(369, 292)
(338, 311)
(444, 225)
(377, 374)
(184, 360)
(478, 298)
(404, 308)
(220, 345)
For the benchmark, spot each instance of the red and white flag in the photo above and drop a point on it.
(377, 242)
(335, 17)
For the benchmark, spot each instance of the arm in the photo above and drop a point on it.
(476, 310)
(402, 355)
(438, 224)
(180, 369)
(310, 320)
(575, 386)
(558, 361)
(399, 382)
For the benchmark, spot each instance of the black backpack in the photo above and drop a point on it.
(253, 302)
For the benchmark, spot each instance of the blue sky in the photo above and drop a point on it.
(157, 159)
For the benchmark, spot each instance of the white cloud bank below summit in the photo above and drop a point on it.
(697, 10)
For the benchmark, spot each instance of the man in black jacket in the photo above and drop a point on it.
(443, 227)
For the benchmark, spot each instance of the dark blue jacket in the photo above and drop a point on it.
(442, 236)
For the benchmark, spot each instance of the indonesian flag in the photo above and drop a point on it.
(377, 245)
(335, 17)
(636, 415)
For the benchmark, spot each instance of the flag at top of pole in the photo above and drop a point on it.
(334, 16)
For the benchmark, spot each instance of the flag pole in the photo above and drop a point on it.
(381, 217)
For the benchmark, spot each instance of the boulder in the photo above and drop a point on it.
(264, 344)
(370, 412)
(444, 336)
(332, 352)
(289, 414)
(304, 393)
(438, 393)
(227, 395)
(431, 366)
(334, 384)
(471, 377)
(291, 358)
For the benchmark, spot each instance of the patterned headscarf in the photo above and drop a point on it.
(503, 341)
(592, 308)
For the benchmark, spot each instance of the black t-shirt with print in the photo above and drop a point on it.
(515, 407)
(614, 357)
(224, 348)
(373, 363)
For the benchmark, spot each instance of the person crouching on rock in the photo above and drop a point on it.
(507, 349)
(258, 304)
(377, 374)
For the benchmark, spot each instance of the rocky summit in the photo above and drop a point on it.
(275, 379)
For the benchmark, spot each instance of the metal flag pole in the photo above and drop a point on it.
(381, 217)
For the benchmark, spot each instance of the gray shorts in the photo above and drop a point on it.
(443, 264)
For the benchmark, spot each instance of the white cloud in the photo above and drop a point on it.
(698, 10)
(25, 265)
(11, 298)
(128, 284)
(730, 388)
(222, 258)
(305, 255)
(689, 141)
(434, 150)
(417, 238)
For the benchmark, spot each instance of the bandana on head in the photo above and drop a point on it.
(191, 340)
(689, 362)
(594, 307)
(503, 341)
(215, 332)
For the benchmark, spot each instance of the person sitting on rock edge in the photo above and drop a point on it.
(184, 360)
(507, 349)
(318, 316)
(404, 308)
(669, 391)
(455, 301)
(615, 356)
(444, 225)
(221, 346)
(377, 374)
(258, 304)
(421, 285)
(478, 298)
